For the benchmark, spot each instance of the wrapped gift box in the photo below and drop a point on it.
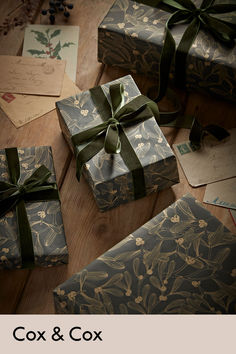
(181, 261)
(45, 218)
(107, 174)
(138, 32)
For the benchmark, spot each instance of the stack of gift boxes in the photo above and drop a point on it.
(181, 261)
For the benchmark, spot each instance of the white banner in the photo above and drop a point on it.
(124, 334)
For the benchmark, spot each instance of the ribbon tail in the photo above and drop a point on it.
(182, 51)
(112, 143)
(25, 236)
(197, 133)
(86, 153)
(168, 52)
(134, 165)
(167, 55)
(13, 164)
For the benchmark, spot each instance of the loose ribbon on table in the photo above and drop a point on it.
(36, 188)
(186, 12)
(198, 131)
(110, 135)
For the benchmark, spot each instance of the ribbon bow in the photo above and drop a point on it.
(186, 12)
(110, 134)
(13, 194)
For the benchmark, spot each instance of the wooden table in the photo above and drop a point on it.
(89, 233)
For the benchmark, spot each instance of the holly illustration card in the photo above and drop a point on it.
(55, 42)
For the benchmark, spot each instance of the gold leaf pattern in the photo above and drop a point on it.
(196, 275)
(210, 65)
(44, 217)
(108, 175)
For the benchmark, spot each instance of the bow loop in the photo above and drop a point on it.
(11, 194)
(108, 134)
(14, 195)
(185, 11)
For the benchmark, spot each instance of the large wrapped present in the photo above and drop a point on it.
(117, 142)
(182, 261)
(138, 31)
(31, 226)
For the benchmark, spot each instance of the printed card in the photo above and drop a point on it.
(55, 42)
(214, 161)
(31, 75)
(233, 215)
(221, 193)
(22, 109)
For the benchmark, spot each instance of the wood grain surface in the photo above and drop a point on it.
(90, 233)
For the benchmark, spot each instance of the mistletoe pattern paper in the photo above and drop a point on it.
(109, 177)
(138, 32)
(55, 42)
(44, 217)
(180, 262)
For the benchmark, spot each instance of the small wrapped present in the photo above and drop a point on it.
(206, 56)
(116, 138)
(31, 226)
(180, 262)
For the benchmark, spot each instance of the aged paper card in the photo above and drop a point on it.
(22, 109)
(233, 215)
(55, 42)
(222, 193)
(215, 161)
(31, 76)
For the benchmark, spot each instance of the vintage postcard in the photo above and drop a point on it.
(233, 215)
(55, 42)
(214, 161)
(222, 193)
(31, 75)
(22, 109)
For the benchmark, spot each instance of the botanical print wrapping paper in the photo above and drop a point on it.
(180, 262)
(138, 32)
(109, 177)
(44, 217)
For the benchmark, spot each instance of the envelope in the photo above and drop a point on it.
(214, 161)
(233, 215)
(31, 75)
(22, 109)
(222, 193)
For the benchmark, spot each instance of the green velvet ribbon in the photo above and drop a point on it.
(14, 195)
(198, 132)
(110, 134)
(186, 12)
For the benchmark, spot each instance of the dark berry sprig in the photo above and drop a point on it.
(19, 16)
(57, 6)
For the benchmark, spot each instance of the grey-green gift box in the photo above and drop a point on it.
(180, 262)
(107, 174)
(131, 37)
(45, 218)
